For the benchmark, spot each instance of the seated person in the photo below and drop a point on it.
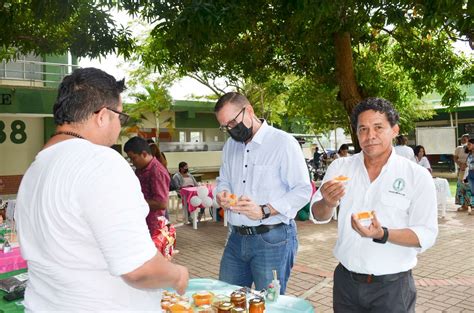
(183, 178)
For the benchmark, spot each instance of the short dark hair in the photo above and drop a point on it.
(417, 149)
(182, 164)
(401, 140)
(344, 146)
(377, 104)
(137, 145)
(231, 97)
(83, 92)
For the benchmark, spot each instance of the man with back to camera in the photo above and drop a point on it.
(374, 273)
(81, 214)
(266, 169)
(154, 180)
(403, 149)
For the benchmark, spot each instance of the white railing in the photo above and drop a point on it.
(34, 72)
(191, 146)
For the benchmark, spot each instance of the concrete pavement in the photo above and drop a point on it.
(444, 274)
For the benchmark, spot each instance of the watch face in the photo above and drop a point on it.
(266, 211)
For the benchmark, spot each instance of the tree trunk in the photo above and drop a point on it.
(348, 91)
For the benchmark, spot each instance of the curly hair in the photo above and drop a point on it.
(378, 105)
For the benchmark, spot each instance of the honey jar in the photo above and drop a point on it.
(217, 300)
(180, 307)
(225, 307)
(206, 308)
(257, 305)
(239, 299)
(202, 297)
(165, 305)
(238, 310)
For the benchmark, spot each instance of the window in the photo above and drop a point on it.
(195, 137)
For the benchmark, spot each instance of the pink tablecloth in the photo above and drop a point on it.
(11, 261)
(188, 192)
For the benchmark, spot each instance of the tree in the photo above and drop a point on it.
(326, 42)
(85, 28)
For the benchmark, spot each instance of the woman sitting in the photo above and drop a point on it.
(421, 159)
(183, 178)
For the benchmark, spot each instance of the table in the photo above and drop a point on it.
(11, 261)
(283, 304)
(186, 194)
(442, 194)
(10, 306)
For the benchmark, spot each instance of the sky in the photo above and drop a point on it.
(117, 67)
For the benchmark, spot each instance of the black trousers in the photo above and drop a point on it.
(353, 293)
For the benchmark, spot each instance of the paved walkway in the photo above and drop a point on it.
(444, 274)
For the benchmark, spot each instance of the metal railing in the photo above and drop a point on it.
(35, 72)
(191, 146)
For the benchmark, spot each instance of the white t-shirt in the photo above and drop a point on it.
(424, 162)
(406, 152)
(81, 223)
(403, 196)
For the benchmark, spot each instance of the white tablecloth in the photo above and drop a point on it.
(443, 193)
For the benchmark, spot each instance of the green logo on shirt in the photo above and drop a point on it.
(398, 184)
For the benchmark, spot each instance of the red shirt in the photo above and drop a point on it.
(155, 181)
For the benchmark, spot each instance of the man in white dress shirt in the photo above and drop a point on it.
(374, 274)
(265, 168)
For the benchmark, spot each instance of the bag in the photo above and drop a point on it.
(165, 237)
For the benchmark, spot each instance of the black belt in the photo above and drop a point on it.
(369, 278)
(255, 230)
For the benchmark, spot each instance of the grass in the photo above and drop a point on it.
(452, 186)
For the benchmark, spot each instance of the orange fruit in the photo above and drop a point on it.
(233, 199)
(341, 178)
(364, 215)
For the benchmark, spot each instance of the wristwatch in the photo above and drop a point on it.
(384, 237)
(266, 212)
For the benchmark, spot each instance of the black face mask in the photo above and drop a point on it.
(185, 170)
(240, 132)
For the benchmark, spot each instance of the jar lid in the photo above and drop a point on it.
(226, 306)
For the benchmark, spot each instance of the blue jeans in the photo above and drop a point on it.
(250, 259)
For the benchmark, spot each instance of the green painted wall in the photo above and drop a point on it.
(201, 120)
(49, 128)
(27, 100)
(55, 73)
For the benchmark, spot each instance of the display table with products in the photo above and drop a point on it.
(14, 306)
(11, 261)
(286, 304)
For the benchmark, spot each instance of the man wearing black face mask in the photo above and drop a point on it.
(265, 168)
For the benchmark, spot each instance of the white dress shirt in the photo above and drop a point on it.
(269, 169)
(403, 196)
(406, 152)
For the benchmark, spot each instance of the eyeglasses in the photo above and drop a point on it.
(123, 118)
(233, 122)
